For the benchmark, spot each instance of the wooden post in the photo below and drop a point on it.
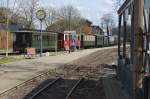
(138, 47)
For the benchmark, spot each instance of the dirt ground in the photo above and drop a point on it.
(91, 67)
(107, 56)
(15, 73)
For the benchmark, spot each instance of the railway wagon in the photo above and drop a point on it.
(99, 41)
(23, 39)
(31, 38)
(51, 40)
(87, 41)
(106, 41)
(113, 40)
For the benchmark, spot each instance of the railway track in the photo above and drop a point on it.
(57, 89)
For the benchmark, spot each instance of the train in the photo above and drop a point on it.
(52, 41)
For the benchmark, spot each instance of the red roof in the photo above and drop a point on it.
(92, 30)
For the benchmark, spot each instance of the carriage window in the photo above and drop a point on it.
(85, 38)
(14, 37)
(23, 38)
(37, 37)
(34, 37)
(66, 38)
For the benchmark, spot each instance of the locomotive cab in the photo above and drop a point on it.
(71, 40)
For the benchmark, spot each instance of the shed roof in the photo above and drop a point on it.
(34, 31)
(124, 6)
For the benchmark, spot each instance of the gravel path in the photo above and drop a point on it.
(15, 73)
(107, 56)
(93, 68)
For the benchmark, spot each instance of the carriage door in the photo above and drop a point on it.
(66, 42)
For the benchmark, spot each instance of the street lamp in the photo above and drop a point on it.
(41, 15)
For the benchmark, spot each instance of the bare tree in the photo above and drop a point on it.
(71, 15)
(52, 16)
(9, 9)
(67, 18)
(107, 21)
(28, 12)
(117, 4)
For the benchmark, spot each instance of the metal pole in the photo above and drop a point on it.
(41, 42)
(7, 41)
(56, 46)
(124, 35)
(70, 20)
(108, 34)
(119, 35)
(138, 49)
(80, 38)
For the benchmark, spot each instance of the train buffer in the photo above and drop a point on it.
(30, 53)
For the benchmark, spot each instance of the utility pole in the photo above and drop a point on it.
(7, 26)
(138, 47)
(69, 20)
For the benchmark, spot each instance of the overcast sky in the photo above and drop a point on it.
(90, 9)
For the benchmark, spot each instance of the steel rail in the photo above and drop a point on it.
(44, 88)
(73, 88)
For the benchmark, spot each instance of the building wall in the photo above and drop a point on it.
(3, 39)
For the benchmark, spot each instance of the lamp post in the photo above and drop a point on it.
(41, 14)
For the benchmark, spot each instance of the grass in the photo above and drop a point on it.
(8, 60)
(55, 53)
(4, 50)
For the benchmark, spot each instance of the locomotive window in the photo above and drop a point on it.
(65, 37)
(71, 37)
(78, 37)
